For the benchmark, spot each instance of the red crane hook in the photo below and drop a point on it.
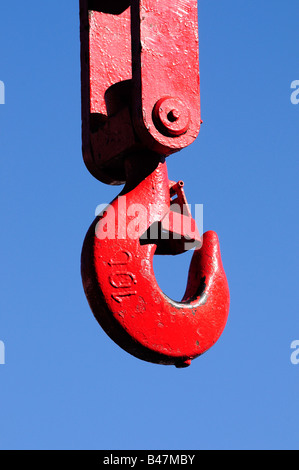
(121, 287)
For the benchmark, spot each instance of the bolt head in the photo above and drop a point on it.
(171, 116)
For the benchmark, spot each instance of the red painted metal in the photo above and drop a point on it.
(140, 81)
(140, 104)
(166, 73)
(121, 287)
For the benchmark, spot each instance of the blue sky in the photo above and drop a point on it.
(65, 384)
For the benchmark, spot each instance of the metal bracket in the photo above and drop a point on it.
(140, 81)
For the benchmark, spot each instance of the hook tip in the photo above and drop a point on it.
(183, 364)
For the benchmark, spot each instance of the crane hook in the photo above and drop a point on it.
(120, 284)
